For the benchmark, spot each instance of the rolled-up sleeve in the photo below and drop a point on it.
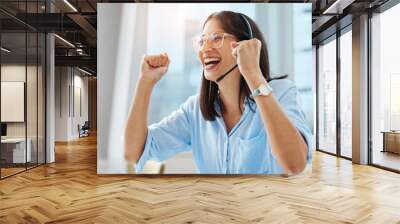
(290, 103)
(168, 137)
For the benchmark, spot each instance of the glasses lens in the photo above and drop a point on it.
(217, 40)
(197, 43)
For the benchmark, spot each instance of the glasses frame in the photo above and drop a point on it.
(206, 38)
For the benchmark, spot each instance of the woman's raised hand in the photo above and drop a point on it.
(154, 67)
(247, 53)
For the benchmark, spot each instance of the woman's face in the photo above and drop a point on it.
(216, 61)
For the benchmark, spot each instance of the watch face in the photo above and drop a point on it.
(264, 90)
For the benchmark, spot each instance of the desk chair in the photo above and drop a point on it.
(84, 130)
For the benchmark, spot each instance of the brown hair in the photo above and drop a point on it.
(234, 24)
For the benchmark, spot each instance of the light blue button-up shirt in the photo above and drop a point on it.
(244, 150)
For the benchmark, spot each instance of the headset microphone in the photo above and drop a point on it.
(250, 35)
(226, 73)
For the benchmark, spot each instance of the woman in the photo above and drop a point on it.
(241, 122)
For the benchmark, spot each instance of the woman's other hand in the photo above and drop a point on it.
(154, 67)
(247, 54)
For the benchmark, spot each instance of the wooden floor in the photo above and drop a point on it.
(5, 172)
(10, 171)
(70, 191)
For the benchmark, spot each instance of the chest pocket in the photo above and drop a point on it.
(253, 153)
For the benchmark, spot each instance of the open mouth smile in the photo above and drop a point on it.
(211, 63)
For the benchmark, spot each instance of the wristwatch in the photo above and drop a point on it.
(262, 90)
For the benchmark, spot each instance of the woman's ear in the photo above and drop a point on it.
(234, 44)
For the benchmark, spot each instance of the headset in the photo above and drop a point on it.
(249, 30)
(249, 36)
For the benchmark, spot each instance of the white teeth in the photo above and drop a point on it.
(207, 60)
(210, 66)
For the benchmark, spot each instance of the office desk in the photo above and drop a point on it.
(391, 141)
(13, 150)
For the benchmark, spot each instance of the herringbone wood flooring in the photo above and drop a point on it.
(70, 191)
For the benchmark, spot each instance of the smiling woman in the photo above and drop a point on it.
(254, 123)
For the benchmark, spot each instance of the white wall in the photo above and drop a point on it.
(17, 73)
(81, 82)
(68, 81)
(14, 73)
(61, 103)
(33, 126)
(12, 99)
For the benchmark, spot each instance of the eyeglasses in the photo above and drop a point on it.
(216, 39)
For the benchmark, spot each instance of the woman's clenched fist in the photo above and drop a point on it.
(154, 67)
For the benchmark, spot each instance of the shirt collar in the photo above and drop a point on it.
(249, 105)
